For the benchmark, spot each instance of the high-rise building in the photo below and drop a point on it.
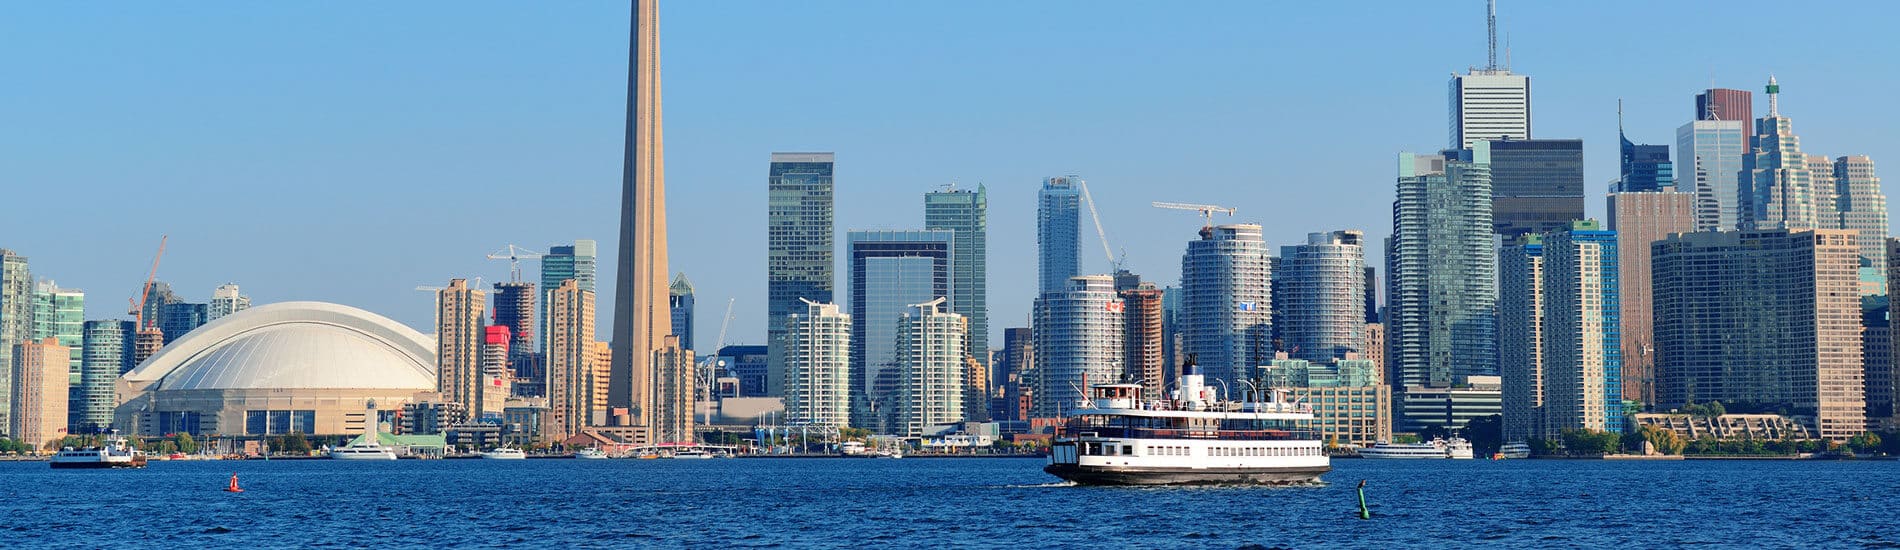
(1322, 291)
(1583, 386)
(1863, 209)
(798, 246)
(562, 262)
(1726, 104)
(496, 377)
(60, 313)
(1889, 378)
(1877, 363)
(1777, 187)
(106, 346)
(1078, 341)
(890, 271)
(1536, 184)
(1010, 371)
(1639, 220)
(1350, 406)
(1375, 348)
(818, 366)
(515, 308)
(1642, 168)
(180, 317)
(749, 365)
(1371, 289)
(16, 319)
(966, 213)
(1489, 104)
(1521, 337)
(1058, 233)
(226, 300)
(458, 342)
(39, 392)
(646, 375)
(1142, 360)
(679, 300)
(1782, 302)
(930, 364)
(571, 365)
(1227, 302)
(1441, 273)
(1709, 162)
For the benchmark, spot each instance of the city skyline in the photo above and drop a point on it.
(882, 166)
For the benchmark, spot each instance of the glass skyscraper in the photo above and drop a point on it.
(1078, 341)
(798, 246)
(60, 313)
(1583, 360)
(1709, 158)
(16, 320)
(1536, 184)
(1777, 187)
(967, 213)
(106, 344)
(562, 262)
(890, 272)
(1058, 232)
(1321, 290)
(1441, 271)
(1643, 168)
(680, 302)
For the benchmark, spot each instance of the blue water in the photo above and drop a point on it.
(933, 502)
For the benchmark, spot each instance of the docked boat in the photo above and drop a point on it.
(590, 453)
(692, 454)
(1437, 448)
(504, 453)
(1115, 438)
(366, 447)
(115, 453)
(1515, 449)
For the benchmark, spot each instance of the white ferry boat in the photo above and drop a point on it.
(504, 453)
(692, 454)
(1436, 448)
(591, 453)
(1115, 438)
(1515, 449)
(114, 454)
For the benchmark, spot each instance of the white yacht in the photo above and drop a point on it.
(115, 453)
(1436, 448)
(504, 453)
(367, 448)
(1115, 438)
(591, 453)
(1515, 449)
(692, 454)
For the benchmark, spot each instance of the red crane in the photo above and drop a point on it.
(138, 305)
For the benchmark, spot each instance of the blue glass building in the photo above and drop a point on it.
(890, 271)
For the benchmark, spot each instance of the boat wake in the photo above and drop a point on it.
(1041, 485)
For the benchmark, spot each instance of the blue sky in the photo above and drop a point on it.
(350, 151)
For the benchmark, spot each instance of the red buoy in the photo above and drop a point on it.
(234, 486)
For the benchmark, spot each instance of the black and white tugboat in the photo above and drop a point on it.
(1195, 438)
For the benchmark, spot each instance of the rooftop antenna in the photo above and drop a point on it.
(1491, 29)
(1507, 51)
(1619, 117)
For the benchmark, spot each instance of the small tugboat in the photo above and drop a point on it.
(115, 453)
(1115, 438)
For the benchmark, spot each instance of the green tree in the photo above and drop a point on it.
(1865, 442)
(296, 443)
(1486, 434)
(185, 443)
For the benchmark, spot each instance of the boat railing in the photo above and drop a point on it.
(1219, 435)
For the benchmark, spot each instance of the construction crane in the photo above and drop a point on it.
(1207, 210)
(514, 254)
(435, 293)
(1099, 232)
(712, 365)
(137, 305)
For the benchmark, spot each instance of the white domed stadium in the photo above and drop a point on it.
(308, 367)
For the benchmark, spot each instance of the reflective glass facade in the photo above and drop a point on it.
(1536, 185)
(890, 271)
(798, 245)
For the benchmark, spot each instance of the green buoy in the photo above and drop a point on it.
(1364, 513)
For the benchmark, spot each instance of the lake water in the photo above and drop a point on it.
(934, 502)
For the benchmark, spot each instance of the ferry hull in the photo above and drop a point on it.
(98, 465)
(1137, 475)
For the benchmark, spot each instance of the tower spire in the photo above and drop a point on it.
(1774, 97)
(1491, 30)
(1619, 117)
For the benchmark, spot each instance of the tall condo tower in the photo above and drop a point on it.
(1058, 232)
(1521, 336)
(818, 366)
(1441, 273)
(1583, 387)
(226, 300)
(641, 319)
(572, 366)
(966, 213)
(16, 318)
(106, 345)
(514, 308)
(1228, 303)
(1078, 341)
(930, 366)
(458, 347)
(1322, 290)
(798, 247)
